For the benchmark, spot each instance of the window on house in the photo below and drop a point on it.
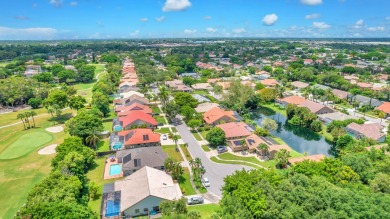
(146, 209)
(137, 211)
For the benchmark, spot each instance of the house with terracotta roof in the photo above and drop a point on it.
(316, 108)
(125, 110)
(202, 86)
(252, 142)
(364, 85)
(204, 107)
(217, 116)
(298, 85)
(134, 119)
(134, 138)
(269, 82)
(224, 84)
(342, 95)
(295, 100)
(275, 148)
(371, 131)
(236, 130)
(314, 158)
(135, 98)
(138, 194)
(385, 107)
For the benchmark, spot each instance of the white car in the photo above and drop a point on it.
(164, 137)
(205, 182)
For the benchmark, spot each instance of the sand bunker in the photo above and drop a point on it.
(51, 149)
(55, 129)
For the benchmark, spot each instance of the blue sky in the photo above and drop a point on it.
(103, 19)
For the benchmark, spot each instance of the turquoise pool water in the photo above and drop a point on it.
(115, 169)
(117, 146)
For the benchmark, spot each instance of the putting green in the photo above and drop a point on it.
(25, 144)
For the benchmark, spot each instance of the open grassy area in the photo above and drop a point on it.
(9, 118)
(201, 92)
(206, 211)
(107, 125)
(229, 156)
(165, 130)
(204, 133)
(275, 108)
(103, 145)
(160, 119)
(155, 109)
(170, 150)
(206, 148)
(216, 160)
(19, 175)
(185, 184)
(197, 136)
(186, 152)
(95, 174)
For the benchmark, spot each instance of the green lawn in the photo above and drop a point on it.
(201, 92)
(103, 145)
(200, 186)
(206, 211)
(197, 136)
(170, 150)
(229, 156)
(206, 148)
(107, 125)
(163, 130)
(95, 174)
(160, 119)
(19, 175)
(9, 118)
(216, 160)
(272, 163)
(156, 109)
(185, 184)
(204, 133)
(275, 108)
(186, 152)
(25, 144)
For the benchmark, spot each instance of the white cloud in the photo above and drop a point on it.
(135, 33)
(56, 3)
(376, 28)
(189, 31)
(160, 19)
(358, 24)
(34, 5)
(239, 30)
(144, 19)
(312, 16)
(73, 4)
(176, 5)
(270, 19)
(321, 25)
(311, 2)
(211, 30)
(388, 18)
(33, 33)
(207, 17)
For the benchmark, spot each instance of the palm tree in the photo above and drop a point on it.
(164, 95)
(177, 170)
(282, 158)
(26, 115)
(93, 139)
(32, 114)
(264, 148)
(21, 117)
(198, 167)
(168, 164)
(50, 110)
(381, 115)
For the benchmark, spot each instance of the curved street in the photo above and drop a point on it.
(215, 172)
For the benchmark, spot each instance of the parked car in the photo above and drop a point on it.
(195, 200)
(164, 137)
(205, 182)
(221, 149)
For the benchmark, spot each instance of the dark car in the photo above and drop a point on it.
(195, 200)
(221, 149)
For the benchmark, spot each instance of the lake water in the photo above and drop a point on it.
(300, 139)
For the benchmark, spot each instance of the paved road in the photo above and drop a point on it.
(214, 172)
(368, 118)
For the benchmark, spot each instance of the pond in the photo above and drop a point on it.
(300, 139)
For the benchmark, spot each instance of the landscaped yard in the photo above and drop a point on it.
(206, 148)
(204, 133)
(185, 184)
(197, 136)
(103, 145)
(165, 130)
(186, 152)
(170, 150)
(216, 160)
(276, 108)
(201, 92)
(160, 119)
(9, 118)
(229, 156)
(206, 211)
(155, 109)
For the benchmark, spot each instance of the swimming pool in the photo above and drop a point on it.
(117, 146)
(115, 169)
(112, 208)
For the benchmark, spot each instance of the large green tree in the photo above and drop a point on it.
(216, 137)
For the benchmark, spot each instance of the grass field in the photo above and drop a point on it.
(163, 130)
(206, 148)
(155, 109)
(229, 156)
(216, 160)
(186, 152)
(103, 145)
(197, 136)
(204, 133)
(25, 144)
(206, 211)
(170, 150)
(9, 118)
(185, 184)
(275, 108)
(19, 175)
(160, 119)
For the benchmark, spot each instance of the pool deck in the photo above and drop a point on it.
(110, 162)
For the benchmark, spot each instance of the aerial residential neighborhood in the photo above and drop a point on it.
(195, 110)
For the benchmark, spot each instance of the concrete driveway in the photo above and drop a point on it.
(215, 172)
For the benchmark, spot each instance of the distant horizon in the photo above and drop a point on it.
(150, 19)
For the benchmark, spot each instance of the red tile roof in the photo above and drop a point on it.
(315, 158)
(296, 100)
(235, 129)
(372, 131)
(385, 107)
(137, 115)
(313, 106)
(124, 110)
(216, 113)
(139, 136)
(269, 82)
